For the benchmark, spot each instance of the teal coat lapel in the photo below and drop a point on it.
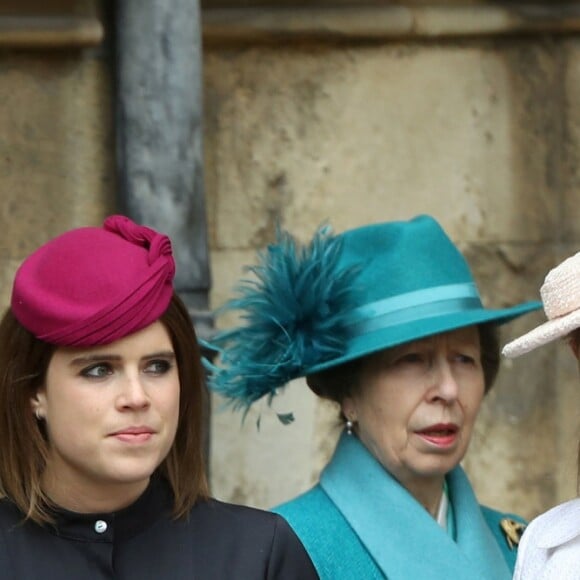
(404, 540)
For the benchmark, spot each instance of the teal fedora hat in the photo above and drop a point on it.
(341, 297)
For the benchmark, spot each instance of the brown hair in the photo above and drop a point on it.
(342, 381)
(24, 361)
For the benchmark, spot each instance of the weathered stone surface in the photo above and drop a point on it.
(55, 147)
(377, 133)
(240, 452)
(228, 268)
(570, 215)
(7, 270)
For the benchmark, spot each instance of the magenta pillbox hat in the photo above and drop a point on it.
(92, 286)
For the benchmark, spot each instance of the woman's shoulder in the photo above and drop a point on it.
(310, 511)
(311, 515)
(507, 529)
(233, 515)
(233, 522)
(550, 544)
(245, 532)
(314, 497)
(10, 515)
(555, 527)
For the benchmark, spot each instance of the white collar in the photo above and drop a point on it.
(442, 511)
(558, 525)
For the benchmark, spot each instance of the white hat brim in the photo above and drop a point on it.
(543, 334)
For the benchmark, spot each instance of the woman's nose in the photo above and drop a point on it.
(445, 386)
(133, 394)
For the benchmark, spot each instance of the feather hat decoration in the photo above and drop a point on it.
(291, 319)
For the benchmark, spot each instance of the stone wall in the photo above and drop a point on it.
(479, 130)
(56, 146)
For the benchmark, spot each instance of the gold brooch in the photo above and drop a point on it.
(513, 531)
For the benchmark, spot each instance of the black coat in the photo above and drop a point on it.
(143, 542)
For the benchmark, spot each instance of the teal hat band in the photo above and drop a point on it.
(412, 306)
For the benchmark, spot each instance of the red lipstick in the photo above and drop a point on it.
(442, 435)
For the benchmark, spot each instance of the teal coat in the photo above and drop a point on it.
(359, 522)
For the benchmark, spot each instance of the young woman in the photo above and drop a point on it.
(101, 467)
(551, 544)
(386, 321)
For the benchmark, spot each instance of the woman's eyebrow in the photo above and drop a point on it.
(160, 354)
(91, 358)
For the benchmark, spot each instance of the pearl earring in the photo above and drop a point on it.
(349, 425)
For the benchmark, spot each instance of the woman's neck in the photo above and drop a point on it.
(90, 497)
(427, 492)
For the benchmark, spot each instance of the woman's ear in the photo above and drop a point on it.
(348, 408)
(38, 405)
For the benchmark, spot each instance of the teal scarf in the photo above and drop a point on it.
(404, 540)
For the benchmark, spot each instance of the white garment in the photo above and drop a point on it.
(443, 510)
(550, 546)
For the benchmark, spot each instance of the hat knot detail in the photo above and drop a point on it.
(159, 245)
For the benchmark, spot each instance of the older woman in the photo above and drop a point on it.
(550, 547)
(101, 467)
(386, 320)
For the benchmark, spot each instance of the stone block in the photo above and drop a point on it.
(570, 216)
(380, 133)
(264, 464)
(8, 268)
(56, 154)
